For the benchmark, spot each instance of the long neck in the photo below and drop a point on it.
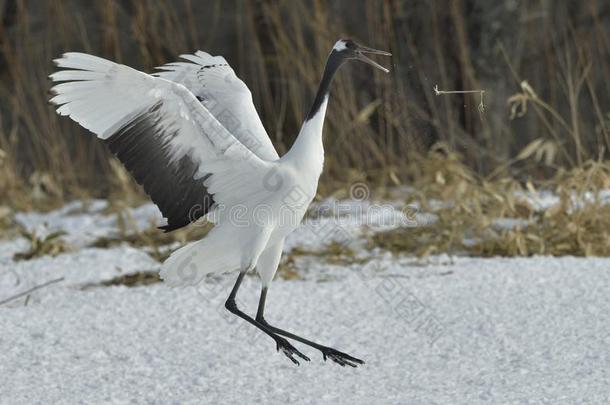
(333, 63)
(308, 145)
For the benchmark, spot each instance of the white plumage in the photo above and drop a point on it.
(103, 97)
(213, 81)
(191, 136)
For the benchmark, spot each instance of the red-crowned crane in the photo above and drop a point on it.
(190, 135)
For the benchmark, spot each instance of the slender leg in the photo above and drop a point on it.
(281, 343)
(338, 357)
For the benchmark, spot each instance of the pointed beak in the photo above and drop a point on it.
(362, 50)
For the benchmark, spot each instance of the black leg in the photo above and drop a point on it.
(281, 343)
(338, 357)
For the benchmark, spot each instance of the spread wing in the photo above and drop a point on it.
(214, 83)
(185, 159)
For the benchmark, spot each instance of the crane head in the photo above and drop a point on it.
(349, 49)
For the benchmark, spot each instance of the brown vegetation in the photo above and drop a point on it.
(544, 68)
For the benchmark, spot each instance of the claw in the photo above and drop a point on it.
(289, 355)
(289, 351)
(301, 355)
(340, 358)
(339, 361)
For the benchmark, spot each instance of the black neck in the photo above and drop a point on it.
(332, 64)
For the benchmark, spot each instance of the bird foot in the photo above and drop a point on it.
(289, 350)
(340, 358)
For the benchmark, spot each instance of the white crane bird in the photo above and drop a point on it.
(191, 136)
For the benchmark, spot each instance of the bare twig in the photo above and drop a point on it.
(27, 292)
(481, 106)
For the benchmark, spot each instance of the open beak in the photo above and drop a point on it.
(362, 50)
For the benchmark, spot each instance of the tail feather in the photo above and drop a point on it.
(190, 264)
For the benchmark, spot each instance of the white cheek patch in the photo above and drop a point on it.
(340, 45)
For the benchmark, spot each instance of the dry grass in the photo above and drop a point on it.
(138, 279)
(48, 245)
(470, 207)
(279, 47)
(332, 254)
(546, 124)
(6, 221)
(156, 242)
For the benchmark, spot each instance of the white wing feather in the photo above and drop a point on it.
(214, 82)
(104, 97)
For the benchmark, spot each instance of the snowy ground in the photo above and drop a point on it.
(442, 331)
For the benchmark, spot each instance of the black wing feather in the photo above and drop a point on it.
(143, 146)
